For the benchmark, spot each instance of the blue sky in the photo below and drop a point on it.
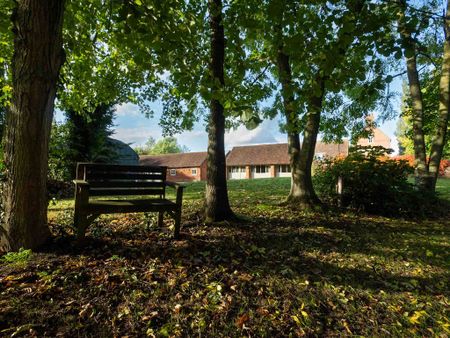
(132, 127)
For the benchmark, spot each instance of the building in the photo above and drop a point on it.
(181, 167)
(272, 160)
(377, 138)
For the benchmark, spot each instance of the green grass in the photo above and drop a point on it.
(443, 188)
(278, 272)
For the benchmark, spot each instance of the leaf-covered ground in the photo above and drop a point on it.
(275, 273)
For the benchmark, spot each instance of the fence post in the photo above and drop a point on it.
(339, 189)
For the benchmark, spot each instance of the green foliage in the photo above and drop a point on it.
(82, 138)
(88, 132)
(430, 97)
(347, 59)
(17, 258)
(60, 165)
(166, 145)
(6, 48)
(98, 68)
(371, 182)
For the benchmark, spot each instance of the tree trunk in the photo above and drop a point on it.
(217, 206)
(308, 197)
(421, 173)
(37, 59)
(285, 79)
(439, 139)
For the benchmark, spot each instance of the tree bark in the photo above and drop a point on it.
(439, 140)
(421, 172)
(217, 206)
(308, 197)
(38, 56)
(285, 79)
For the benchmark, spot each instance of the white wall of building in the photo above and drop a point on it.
(260, 171)
(236, 173)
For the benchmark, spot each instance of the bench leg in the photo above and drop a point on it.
(81, 223)
(160, 218)
(176, 234)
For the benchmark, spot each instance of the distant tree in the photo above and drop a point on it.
(166, 145)
(88, 132)
(60, 166)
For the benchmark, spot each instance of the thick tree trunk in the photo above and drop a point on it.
(37, 59)
(421, 173)
(439, 139)
(285, 79)
(217, 206)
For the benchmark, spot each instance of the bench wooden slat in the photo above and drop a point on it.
(117, 206)
(123, 176)
(125, 192)
(119, 167)
(125, 184)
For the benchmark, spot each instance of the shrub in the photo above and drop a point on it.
(443, 165)
(372, 182)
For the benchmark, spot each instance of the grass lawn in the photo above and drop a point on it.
(278, 272)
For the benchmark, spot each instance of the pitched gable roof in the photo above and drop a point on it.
(266, 154)
(180, 160)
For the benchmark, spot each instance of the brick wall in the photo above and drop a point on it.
(248, 173)
(272, 171)
(184, 174)
(378, 139)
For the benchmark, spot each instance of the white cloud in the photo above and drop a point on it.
(136, 136)
(127, 109)
(266, 132)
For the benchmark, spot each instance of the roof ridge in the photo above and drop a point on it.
(173, 154)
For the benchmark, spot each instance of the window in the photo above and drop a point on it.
(260, 169)
(194, 172)
(173, 172)
(319, 156)
(284, 168)
(370, 138)
(236, 169)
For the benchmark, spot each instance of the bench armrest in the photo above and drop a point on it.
(179, 188)
(80, 182)
(175, 185)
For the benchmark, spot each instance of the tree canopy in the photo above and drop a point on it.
(166, 145)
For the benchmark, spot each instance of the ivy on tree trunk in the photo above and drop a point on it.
(38, 56)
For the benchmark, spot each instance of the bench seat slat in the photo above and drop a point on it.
(125, 184)
(123, 176)
(119, 167)
(118, 206)
(125, 191)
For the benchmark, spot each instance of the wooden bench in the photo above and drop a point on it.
(96, 180)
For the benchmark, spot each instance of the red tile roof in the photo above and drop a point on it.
(180, 160)
(267, 154)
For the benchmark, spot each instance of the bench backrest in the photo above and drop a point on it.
(113, 179)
